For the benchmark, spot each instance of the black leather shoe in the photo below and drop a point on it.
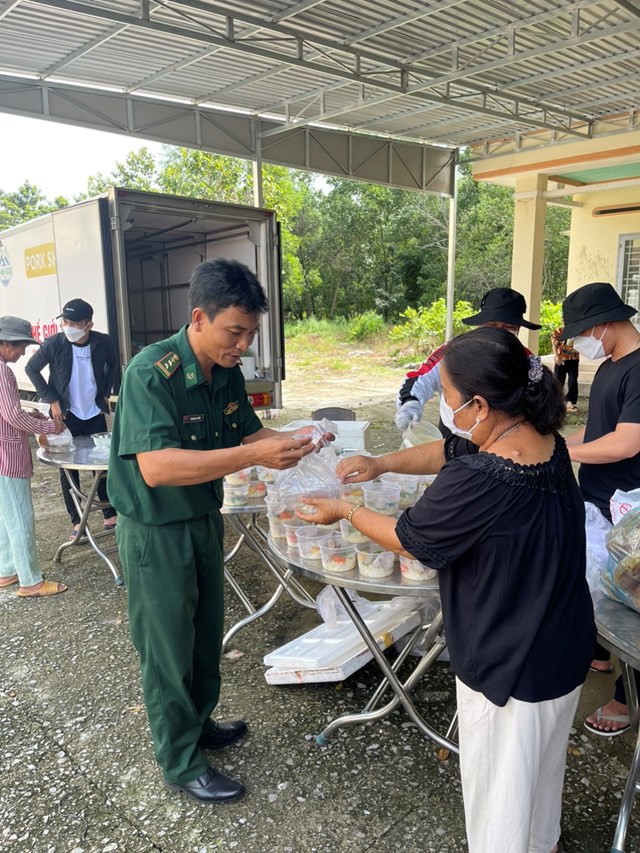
(219, 735)
(211, 787)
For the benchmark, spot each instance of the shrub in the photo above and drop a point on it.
(313, 326)
(550, 319)
(425, 328)
(365, 326)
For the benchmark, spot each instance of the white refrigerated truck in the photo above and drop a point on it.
(130, 254)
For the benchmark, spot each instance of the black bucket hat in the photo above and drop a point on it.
(502, 305)
(591, 305)
(16, 330)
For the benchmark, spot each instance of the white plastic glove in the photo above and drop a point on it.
(407, 413)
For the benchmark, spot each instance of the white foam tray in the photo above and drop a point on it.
(323, 654)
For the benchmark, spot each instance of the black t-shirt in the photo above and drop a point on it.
(508, 541)
(614, 399)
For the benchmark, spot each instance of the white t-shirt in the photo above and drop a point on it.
(82, 387)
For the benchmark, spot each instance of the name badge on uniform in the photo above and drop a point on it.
(193, 419)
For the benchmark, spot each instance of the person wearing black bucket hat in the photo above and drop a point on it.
(502, 308)
(18, 555)
(608, 447)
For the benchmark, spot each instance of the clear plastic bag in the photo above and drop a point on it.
(623, 502)
(60, 443)
(331, 610)
(316, 472)
(621, 580)
(596, 528)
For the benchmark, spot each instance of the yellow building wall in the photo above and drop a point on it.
(593, 248)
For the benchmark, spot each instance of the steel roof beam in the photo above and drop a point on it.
(203, 54)
(338, 69)
(98, 41)
(7, 7)
(357, 37)
(456, 76)
(562, 9)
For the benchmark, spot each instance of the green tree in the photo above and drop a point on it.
(138, 171)
(26, 203)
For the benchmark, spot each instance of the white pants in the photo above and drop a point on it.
(512, 762)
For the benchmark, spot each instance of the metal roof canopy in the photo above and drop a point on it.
(343, 87)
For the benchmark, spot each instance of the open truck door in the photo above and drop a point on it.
(156, 242)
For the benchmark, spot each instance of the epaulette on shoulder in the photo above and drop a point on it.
(168, 364)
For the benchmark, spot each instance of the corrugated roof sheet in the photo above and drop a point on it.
(445, 70)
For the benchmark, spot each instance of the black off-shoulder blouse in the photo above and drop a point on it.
(509, 543)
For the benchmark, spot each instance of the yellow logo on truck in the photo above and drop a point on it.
(40, 260)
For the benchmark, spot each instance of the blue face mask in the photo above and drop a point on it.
(447, 415)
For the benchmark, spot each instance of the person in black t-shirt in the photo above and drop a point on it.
(503, 524)
(608, 447)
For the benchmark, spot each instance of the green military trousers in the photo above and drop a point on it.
(174, 574)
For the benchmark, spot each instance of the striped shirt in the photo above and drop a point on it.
(15, 428)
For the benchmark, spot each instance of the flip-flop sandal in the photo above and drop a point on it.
(613, 718)
(47, 588)
(8, 581)
(607, 671)
(73, 535)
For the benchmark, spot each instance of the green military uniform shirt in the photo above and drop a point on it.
(165, 401)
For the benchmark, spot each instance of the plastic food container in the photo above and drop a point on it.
(374, 561)
(283, 510)
(238, 478)
(352, 492)
(265, 475)
(350, 534)
(420, 433)
(408, 487)
(307, 508)
(309, 539)
(337, 555)
(414, 570)
(382, 497)
(290, 530)
(236, 495)
(101, 439)
(424, 481)
(257, 490)
(276, 527)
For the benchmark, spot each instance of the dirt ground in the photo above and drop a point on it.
(78, 773)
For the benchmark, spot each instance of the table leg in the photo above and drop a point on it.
(86, 504)
(631, 786)
(400, 689)
(249, 533)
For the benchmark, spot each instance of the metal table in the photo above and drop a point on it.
(244, 520)
(619, 631)
(85, 457)
(430, 634)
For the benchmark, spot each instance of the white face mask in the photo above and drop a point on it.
(589, 346)
(73, 334)
(447, 414)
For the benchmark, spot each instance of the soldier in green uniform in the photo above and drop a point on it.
(183, 421)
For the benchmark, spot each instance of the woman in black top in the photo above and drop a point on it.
(504, 526)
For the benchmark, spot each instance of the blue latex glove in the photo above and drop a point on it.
(408, 413)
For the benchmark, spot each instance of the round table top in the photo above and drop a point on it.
(256, 505)
(395, 584)
(85, 457)
(618, 627)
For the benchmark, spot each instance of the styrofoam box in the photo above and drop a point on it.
(326, 654)
(351, 435)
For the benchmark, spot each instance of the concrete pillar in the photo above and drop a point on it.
(528, 248)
